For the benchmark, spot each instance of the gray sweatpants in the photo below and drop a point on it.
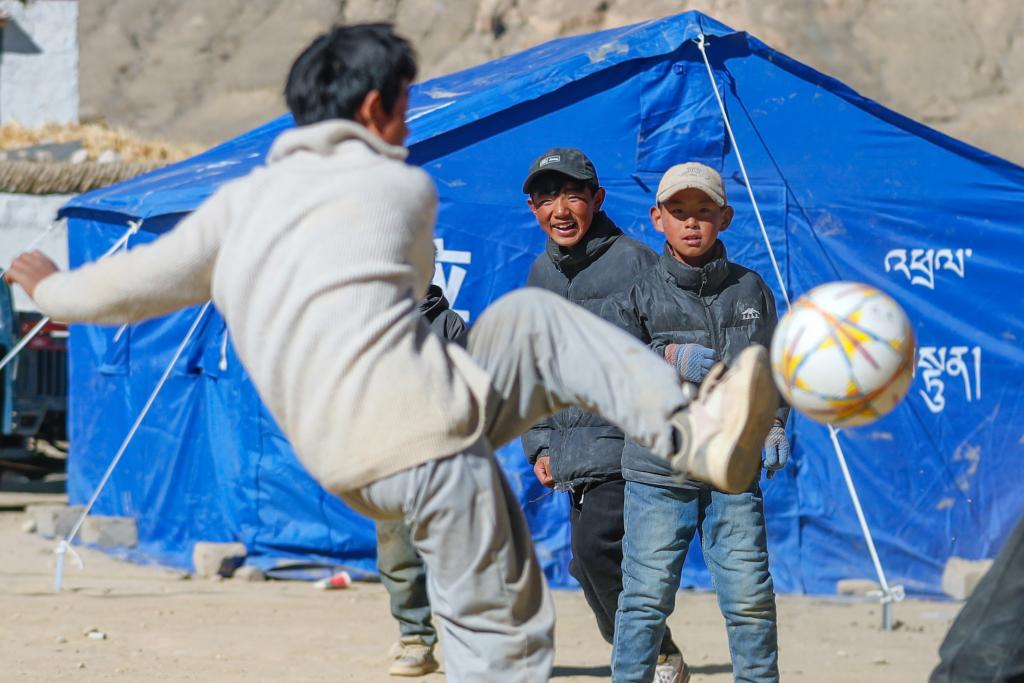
(544, 354)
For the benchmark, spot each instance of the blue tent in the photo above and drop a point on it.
(848, 190)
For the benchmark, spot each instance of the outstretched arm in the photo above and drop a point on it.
(171, 272)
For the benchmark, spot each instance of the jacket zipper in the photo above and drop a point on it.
(715, 341)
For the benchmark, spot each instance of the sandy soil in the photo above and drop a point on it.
(162, 626)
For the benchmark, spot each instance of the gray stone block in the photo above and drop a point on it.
(249, 573)
(860, 587)
(217, 559)
(960, 577)
(109, 532)
(54, 520)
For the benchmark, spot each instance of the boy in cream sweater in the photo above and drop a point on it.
(317, 261)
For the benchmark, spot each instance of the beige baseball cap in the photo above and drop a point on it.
(692, 175)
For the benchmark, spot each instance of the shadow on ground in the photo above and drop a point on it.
(606, 671)
(572, 671)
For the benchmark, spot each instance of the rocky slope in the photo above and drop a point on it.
(202, 71)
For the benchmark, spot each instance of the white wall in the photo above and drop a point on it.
(22, 218)
(39, 62)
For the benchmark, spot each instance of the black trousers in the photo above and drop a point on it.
(596, 529)
(986, 642)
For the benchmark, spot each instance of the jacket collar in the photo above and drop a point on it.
(324, 138)
(600, 236)
(433, 304)
(704, 280)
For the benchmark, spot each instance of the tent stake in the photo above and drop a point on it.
(65, 543)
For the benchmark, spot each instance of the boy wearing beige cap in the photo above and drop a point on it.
(693, 308)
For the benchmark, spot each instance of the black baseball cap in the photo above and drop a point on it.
(566, 160)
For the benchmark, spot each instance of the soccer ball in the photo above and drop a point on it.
(843, 354)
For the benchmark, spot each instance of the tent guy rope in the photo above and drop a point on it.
(64, 545)
(34, 243)
(889, 594)
(133, 227)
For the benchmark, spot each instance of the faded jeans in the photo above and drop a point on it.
(544, 354)
(660, 524)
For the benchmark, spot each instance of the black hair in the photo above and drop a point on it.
(332, 77)
(553, 183)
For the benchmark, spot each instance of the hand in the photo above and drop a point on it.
(776, 448)
(29, 269)
(691, 361)
(542, 468)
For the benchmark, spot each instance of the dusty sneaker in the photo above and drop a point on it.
(723, 431)
(671, 669)
(411, 656)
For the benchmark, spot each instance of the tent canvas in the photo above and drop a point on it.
(848, 190)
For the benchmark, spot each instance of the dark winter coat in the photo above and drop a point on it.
(443, 321)
(583, 447)
(721, 305)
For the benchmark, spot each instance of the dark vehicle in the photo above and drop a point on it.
(33, 394)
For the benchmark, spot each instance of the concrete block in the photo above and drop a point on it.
(110, 532)
(217, 559)
(859, 587)
(54, 520)
(247, 572)
(960, 577)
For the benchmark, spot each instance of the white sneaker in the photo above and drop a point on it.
(723, 431)
(671, 669)
(411, 656)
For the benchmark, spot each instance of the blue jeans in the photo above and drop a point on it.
(405, 576)
(660, 523)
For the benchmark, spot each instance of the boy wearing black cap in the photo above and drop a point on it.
(586, 260)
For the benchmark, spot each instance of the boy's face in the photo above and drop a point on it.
(691, 221)
(565, 213)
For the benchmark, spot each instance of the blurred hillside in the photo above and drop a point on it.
(195, 70)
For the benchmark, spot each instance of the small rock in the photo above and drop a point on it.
(29, 527)
(109, 532)
(960, 576)
(95, 634)
(79, 156)
(80, 665)
(54, 520)
(880, 661)
(249, 573)
(60, 640)
(217, 559)
(841, 653)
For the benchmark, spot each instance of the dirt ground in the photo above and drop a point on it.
(161, 626)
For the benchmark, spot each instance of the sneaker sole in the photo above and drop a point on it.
(413, 672)
(753, 424)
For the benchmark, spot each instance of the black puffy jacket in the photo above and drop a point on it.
(721, 305)
(583, 447)
(443, 321)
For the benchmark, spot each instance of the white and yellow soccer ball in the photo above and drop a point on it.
(843, 354)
